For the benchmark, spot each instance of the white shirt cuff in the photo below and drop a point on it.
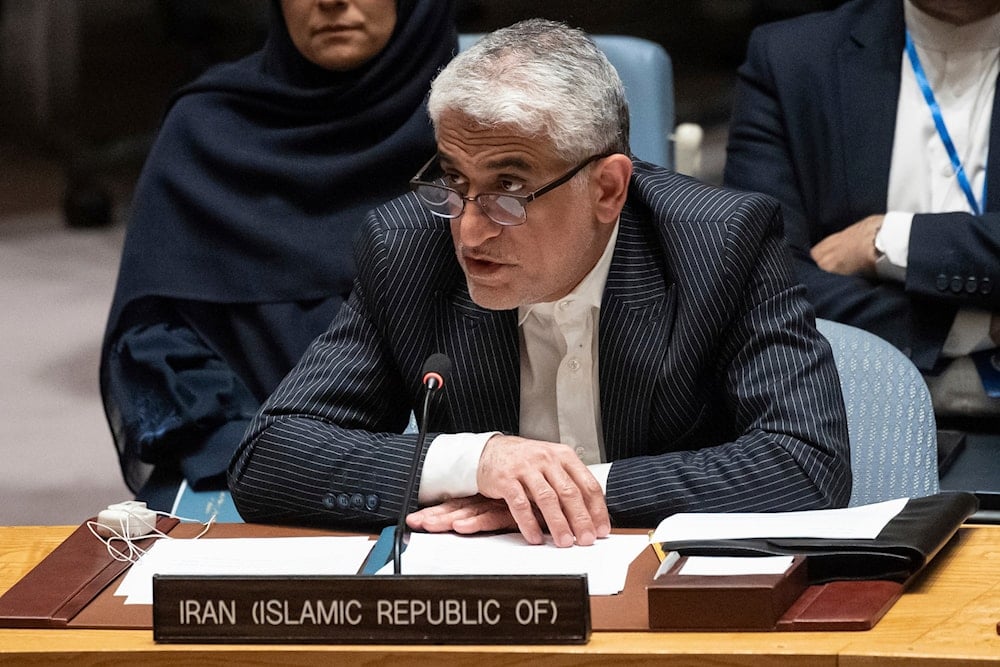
(970, 332)
(893, 240)
(450, 467)
(601, 471)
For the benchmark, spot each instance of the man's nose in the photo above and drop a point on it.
(475, 227)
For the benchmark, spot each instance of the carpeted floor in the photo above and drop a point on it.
(55, 289)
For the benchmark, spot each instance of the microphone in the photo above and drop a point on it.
(434, 376)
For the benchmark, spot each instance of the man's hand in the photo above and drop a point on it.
(474, 514)
(851, 250)
(547, 479)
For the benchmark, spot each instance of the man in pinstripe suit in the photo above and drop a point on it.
(626, 342)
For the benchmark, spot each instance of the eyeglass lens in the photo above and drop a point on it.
(447, 203)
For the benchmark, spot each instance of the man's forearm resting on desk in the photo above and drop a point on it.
(521, 484)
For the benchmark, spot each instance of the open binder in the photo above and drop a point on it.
(907, 543)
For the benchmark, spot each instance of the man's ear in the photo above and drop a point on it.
(611, 177)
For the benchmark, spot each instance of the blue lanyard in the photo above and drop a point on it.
(949, 145)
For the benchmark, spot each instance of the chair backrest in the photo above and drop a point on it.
(647, 73)
(890, 419)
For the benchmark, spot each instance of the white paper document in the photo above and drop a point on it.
(244, 556)
(734, 565)
(850, 523)
(605, 563)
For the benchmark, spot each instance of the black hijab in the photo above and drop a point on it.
(265, 167)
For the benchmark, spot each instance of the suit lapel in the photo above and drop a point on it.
(637, 312)
(484, 348)
(993, 161)
(869, 66)
(636, 317)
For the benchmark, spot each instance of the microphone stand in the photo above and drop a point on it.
(397, 544)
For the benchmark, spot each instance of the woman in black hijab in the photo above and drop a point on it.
(238, 250)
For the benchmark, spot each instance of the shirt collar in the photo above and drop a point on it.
(936, 35)
(589, 291)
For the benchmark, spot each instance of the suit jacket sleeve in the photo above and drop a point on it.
(178, 404)
(955, 256)
(326, 447)
(771, 435)
(787, 139)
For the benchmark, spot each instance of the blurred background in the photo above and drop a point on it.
(82, 89)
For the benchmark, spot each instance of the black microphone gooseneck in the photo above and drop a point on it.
(435, 371)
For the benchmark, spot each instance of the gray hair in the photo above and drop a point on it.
(541, 78)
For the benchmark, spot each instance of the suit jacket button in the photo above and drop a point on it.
(956, 284)
(329, 501)
(371, 502)
(357, 501)
(343, 501)
(985, 286)
(942, 282)
(971, 285)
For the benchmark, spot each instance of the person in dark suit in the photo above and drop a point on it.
(238, 250)
(834, 116)
(626, 342)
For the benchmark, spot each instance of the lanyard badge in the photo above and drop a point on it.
(949, 145)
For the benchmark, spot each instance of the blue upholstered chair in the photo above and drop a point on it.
(648, 75)
(890, 418)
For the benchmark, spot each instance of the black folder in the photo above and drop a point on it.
(907, 543)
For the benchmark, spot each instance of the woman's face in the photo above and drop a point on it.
(339, 35)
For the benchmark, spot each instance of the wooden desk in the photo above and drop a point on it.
(948, 617)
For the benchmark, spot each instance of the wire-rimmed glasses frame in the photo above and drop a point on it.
(500, 207)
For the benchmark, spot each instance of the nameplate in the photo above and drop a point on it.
(402, 609)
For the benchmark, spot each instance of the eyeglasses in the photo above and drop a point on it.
(503, 209)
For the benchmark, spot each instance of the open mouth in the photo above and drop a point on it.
(480, 266)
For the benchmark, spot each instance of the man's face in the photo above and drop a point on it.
(339, 36)
(561, 240)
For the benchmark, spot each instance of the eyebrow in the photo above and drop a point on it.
(509, 163)
(512, 162)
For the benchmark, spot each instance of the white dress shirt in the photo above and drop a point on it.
(961, 65)
(560, 391)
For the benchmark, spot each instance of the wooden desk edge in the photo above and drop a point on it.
(896, 636)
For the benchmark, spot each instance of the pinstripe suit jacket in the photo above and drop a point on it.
(717, 393)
